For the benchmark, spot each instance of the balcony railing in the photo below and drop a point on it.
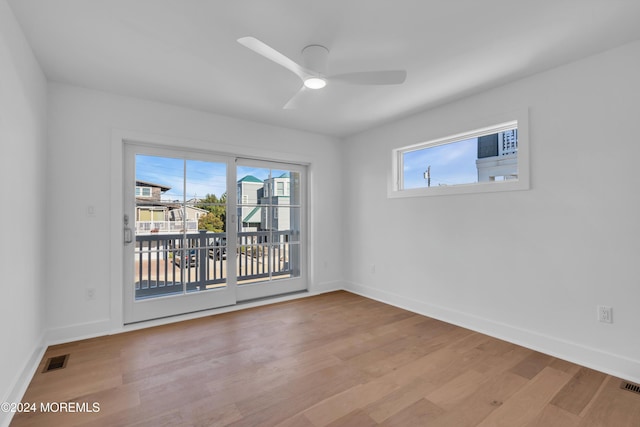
(165, 226)
(167, 264)
(508, 142)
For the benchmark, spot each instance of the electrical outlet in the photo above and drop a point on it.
(91, 294)
(605, 314)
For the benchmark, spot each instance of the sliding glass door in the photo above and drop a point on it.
(204, 231)
(271, 255)
(176, 219)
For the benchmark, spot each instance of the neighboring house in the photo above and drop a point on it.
(149, 191)
(277, 193)
(155, 216)
(190, 213)
(150, 210)
(498, 156)
(249, 190)
(258, 198)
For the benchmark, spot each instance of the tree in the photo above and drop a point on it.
(211, 222)
(216, 219)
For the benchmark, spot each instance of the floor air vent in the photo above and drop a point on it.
(626, 385)
(54, 363)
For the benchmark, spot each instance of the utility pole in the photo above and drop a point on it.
(427, 175)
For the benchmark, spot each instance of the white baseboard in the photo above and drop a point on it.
(105, 327)
(23, 379)
(321, 288)
(78, 332)
(616, 365)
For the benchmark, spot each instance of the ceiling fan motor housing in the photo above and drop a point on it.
(315, 58)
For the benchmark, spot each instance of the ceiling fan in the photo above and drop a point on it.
(314, 72)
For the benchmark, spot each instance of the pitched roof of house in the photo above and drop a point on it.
(162, 188)
(250, 178)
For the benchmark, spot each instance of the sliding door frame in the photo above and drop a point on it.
(261, 289)
(120, 137)
(172, 304)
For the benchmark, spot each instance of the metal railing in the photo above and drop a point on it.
(165, 226)
(167, 264)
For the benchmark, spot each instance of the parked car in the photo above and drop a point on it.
(189, 256)
(218, 248)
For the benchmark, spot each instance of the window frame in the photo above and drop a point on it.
(142, 188)
(518, 119)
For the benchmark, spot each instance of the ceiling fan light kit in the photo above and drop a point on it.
(315, 58)
(314, 72)
(315, 83)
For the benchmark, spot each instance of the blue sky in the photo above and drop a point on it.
(451, 164)
(202, 177)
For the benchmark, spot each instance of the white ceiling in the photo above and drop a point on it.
(184, 52)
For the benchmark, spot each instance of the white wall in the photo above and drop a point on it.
(23, 210)
(529, 266)
(81, 123)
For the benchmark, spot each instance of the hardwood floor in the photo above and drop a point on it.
(331, 360)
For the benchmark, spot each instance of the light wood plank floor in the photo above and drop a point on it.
(331, 360)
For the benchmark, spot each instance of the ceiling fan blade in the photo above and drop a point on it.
(268, 52)
(298, 99)
(389, 77)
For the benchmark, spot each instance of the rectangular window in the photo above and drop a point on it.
(280, 188)
(143, 191)
(492, 158)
